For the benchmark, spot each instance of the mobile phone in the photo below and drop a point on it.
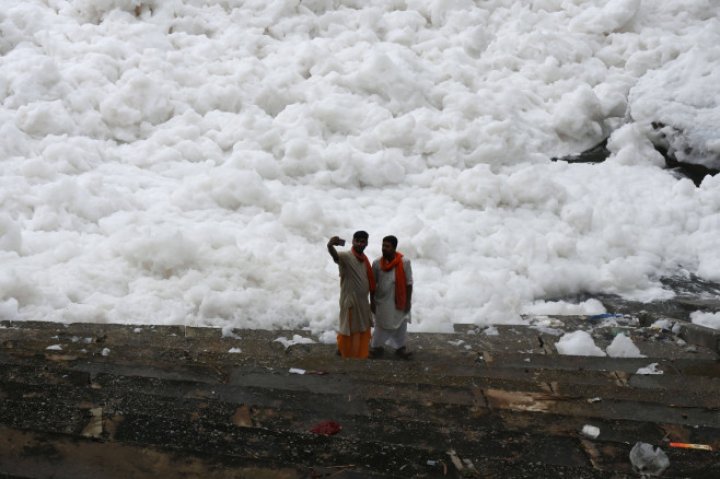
(341, 242)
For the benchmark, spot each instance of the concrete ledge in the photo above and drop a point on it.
(701, 336)
(81, 401)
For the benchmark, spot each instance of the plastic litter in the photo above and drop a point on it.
(685, 445)
(596, 317)
(591, 431)
(648, 460)
(652, 368)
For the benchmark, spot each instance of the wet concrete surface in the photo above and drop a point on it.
(93, 401)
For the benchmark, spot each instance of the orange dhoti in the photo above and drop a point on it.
(356, 345)
(355, 318)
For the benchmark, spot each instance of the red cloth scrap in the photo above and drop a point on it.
(328, 428)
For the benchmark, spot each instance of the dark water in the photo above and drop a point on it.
(691, 294)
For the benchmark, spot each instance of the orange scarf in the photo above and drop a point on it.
(368, 268)
(400, 281)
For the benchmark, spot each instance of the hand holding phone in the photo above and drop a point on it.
(336, 241)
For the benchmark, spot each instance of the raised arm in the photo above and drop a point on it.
(334, 241)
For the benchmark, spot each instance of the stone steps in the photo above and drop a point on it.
(177, 395)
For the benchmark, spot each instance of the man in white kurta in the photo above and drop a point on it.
(391, 303)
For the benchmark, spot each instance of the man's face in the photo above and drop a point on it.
(360, 244)
(388, 250)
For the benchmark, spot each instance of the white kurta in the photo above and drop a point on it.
(386, 315)
(390, 323)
